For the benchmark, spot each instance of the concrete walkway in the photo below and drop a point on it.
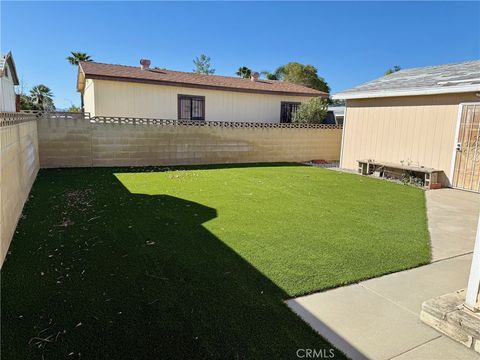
(452, 215)
(379, 318)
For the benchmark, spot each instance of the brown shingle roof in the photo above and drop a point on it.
(93, 70)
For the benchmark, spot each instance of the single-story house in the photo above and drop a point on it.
(144, 92)
(9, 102)
(424, 117)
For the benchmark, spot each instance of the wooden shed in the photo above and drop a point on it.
(423, 117)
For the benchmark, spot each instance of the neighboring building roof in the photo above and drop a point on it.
(92, 70)
(8, 60)
(441, 79)
(337, 110)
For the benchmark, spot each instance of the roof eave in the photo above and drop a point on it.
(200, 86)
(406, 92)
(13, 70)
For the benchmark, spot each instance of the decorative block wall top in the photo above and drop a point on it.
(229, 124)
(7, 119)
(12, 118)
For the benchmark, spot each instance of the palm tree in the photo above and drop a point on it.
(74, 59)
(42, 97)
(78, 56)
(244, 72)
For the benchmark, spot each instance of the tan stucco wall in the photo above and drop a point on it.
(116, 98)
(73, 143)
(416, 129)
(18, 169)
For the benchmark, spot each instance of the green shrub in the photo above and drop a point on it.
(313, 111)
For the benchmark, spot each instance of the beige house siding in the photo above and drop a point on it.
(415, 129)
(128, 99)
(18, 168)
(89, 97)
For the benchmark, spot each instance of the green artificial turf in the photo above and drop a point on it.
(196, 263)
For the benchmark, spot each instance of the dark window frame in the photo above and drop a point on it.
(282, 105)
(191, 98)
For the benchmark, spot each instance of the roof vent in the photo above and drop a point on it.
(145, 64)
(255, 76)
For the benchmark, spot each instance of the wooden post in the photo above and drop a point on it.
(472, 300)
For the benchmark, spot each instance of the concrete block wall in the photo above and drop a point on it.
(19, 164)
(64, 141)
(79, 142)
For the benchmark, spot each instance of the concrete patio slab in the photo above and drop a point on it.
(439, 348)
(409, 289)
(361, 323)
(452, 218)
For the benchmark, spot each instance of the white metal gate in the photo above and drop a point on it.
(466, 175)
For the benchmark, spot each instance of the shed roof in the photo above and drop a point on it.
(441, 79)
(93, 70)
(8, 59)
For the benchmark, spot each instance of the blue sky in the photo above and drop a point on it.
(349, 43)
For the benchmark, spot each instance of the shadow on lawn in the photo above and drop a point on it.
(166, 168)
(96, 272)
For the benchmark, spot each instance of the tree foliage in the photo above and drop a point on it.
(244, 72)
(270, 75)
(301, 74)
(39, 98)
(313, 111)
(202, 65)
(77, 56)
(337, 102)
(42, 98)
(26, 103)
(393, 70)
(74, 108)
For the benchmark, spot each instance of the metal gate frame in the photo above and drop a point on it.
(455, 140)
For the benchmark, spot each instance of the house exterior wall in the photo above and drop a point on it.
(89, 97)
(18, 168)
(415, 129)
(7, 93)
(128, 99)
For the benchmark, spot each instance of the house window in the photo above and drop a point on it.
(6, 71)
(191, 107)
(287, 109)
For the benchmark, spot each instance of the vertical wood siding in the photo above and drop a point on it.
(7, 93)
(415, 129)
